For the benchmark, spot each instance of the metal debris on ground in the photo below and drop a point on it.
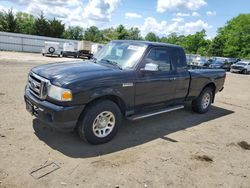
(63, 183)
(244, 145)
(169, 139)
(165, 159)
(204, 158)
(44, 170)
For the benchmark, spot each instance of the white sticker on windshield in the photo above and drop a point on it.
(133, 47)
(119, 52)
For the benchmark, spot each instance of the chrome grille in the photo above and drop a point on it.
(38, 85)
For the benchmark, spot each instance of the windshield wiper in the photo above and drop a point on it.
(112, 63)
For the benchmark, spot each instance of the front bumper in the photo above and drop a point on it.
(60, 117)
(236, 70)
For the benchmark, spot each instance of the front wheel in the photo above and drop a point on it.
(100, 122)
(244, 71)
(203, 102)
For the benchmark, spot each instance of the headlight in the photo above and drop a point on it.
(59, 93)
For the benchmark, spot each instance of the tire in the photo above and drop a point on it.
(51, 50)
(244, 71)
(203, 102)
(93, 126)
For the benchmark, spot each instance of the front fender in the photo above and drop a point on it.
(125, 95)
(101, 92)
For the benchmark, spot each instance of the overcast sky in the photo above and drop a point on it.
(159, 16)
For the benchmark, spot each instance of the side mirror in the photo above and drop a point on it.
(151, 67)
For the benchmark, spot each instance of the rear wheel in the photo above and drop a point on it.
(245, 71)
(203, 102)
(100, 122)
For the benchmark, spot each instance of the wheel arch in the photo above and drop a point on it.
(212, 86)
(114, 98)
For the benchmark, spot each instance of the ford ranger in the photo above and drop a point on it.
(131, 79)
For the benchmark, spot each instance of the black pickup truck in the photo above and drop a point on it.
(131, 79)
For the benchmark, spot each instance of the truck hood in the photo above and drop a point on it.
(67, 72)
(238, 66)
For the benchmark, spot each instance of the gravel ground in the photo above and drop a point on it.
(177, 149)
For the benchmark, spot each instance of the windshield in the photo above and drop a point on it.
(218, 62)
(121, 53)
(241, 63)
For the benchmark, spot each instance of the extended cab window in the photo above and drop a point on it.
(161, 57)
(178, 58)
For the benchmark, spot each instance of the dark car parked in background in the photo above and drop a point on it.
(208, 63)
(221, 65)
(233, 60)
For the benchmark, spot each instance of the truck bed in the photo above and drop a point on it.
(201, 76)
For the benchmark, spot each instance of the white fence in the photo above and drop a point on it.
(27, 43)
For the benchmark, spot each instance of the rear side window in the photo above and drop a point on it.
(178, 58)
(161, 57)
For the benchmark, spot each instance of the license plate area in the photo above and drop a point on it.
(31, 108)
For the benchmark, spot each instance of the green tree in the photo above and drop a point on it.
(216, 47)
(202, 51)
(41, 26)
(134, 34)
(8, 21)
(93, 34)
(56, 28)
(25, 22)
(73, 32)
(152, 37)
(192, 43)
(109, 34)
(173, 39)
(2, 21)
(236, 36)
(121, 32)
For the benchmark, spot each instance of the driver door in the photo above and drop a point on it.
(156, 87)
